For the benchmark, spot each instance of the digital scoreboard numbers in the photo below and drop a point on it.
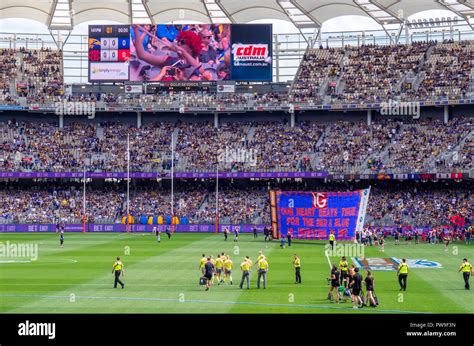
(109, 52)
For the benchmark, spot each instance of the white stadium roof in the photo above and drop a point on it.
(65, 14)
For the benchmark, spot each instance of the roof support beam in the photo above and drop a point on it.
(216, 12)
(139, 12)
(381, 14)
(60, 15)
(462, 8)
(227, 13)
(301, 19)
(377, 12)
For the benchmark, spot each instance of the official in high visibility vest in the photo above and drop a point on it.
(245, 267)
(262, 272)
(332, 238)
(403, 274)
(343, 267)
(466, 269)
(118, 269)
(297, 264)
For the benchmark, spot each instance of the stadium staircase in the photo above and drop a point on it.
(448, 155)
(420, 77)
(316, 157)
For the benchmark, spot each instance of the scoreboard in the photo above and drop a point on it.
(109, 53)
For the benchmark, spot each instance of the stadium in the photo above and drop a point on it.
(153, 137)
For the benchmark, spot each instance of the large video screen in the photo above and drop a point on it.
(109, 52)
(188, 52)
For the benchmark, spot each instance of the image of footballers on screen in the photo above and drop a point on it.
(180, 52)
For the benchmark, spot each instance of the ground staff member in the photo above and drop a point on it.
(297, 264)
(202, 263)
(262, 272)
(403, 274)
(332, 238)
(245, 267)
(466, 269)
(118, 269)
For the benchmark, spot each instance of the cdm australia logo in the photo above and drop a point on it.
(251, 52)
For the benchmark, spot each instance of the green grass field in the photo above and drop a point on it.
(163, 278)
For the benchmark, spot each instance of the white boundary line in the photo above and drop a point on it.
(205, 301)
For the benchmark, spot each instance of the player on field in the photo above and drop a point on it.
(369, 287)
(334, 284)
(226, 233)
(396, 237)
(157, 232)
(61, 238)
(356, 286)
(228, 269)
(382, 243)
(446, 240)
(209, 272)
(168, 231)
(289, 238)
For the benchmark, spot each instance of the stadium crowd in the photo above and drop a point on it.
(368, 73)
(386, 146)
(421, 205)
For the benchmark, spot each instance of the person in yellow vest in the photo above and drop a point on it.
(262, 272)
(297, 264)
(259, 257)
(160, 220)
(343, 267)
(466, 269)
(228, 269)
(403, 274)
(219, 266)
(118, 269)
(245, 267)
(202, 263)
(250, 261)
(332, 238)
(213, 262)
